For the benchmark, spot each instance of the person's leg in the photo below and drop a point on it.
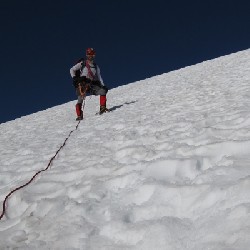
(101, 91)
(79, 105)
(103, 107)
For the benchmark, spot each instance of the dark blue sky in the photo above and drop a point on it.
(134, 40)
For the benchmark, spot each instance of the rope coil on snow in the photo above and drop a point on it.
(37, 173)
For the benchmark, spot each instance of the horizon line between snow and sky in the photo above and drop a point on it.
(134, 40)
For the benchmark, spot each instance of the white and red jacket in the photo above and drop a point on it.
(94, 76)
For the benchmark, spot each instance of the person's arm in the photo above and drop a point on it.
(73, 74)
(99, 75)
(74, 69)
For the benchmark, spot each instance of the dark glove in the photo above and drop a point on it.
(75, 81)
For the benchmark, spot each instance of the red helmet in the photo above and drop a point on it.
(90, 52)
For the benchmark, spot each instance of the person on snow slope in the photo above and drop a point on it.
(87, 80)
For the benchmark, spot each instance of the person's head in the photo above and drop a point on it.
(90, 54)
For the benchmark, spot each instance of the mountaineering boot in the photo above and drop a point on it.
(79, 118)
(103, 109)
(79, 112)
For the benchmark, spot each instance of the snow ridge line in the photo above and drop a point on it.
(37, 173)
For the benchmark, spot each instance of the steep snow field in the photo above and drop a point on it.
(168, 168)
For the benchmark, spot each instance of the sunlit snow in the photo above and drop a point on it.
(168, 168)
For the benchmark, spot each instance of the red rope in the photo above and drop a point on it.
(49, 164)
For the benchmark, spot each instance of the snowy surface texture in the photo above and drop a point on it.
(168, 168)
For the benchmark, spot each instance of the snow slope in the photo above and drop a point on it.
(168, 168)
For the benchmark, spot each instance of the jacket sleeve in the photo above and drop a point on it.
(74, 69)
(99, 75)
